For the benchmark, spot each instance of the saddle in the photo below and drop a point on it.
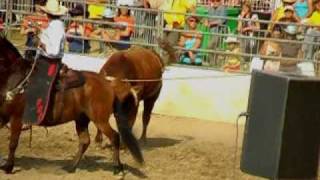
(69, 79)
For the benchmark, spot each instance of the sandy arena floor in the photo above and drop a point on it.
(177, 148)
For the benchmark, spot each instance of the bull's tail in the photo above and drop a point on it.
(121, 111)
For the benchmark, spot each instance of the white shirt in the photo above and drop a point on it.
(53, 39)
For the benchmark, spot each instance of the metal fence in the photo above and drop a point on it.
(149, 24)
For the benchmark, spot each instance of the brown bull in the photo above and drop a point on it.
(141, 70)
(94, 101)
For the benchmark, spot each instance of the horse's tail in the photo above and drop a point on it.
(125, 131)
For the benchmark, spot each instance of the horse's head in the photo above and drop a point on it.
(11, 64)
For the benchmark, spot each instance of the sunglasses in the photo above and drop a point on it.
(215, 1)
(192, 20)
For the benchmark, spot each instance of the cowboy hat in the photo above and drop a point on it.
(231, 40)
(54, 8)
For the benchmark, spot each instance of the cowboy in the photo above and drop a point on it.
(48, 62)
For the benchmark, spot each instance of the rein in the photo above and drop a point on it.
(18, 89)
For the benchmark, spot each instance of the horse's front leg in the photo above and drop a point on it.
(15, 130)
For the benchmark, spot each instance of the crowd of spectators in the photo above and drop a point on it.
(294, 20)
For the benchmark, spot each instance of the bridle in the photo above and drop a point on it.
(19, 88)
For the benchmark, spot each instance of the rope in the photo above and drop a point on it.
(111, 78)
(237, 144)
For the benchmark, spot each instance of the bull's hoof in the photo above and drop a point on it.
(7, 168)
(118, 170)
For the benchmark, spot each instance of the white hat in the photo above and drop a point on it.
(125, 3)
(108, 13)
(54, 8)
(231, 40)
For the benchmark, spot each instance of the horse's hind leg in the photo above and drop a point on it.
(114, 138)
(147, 110)
(15, 128)
(98, 139)
(84, 140)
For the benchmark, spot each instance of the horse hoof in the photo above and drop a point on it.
(69, 169)
(7, 168)
(118, 170)
(143, 140)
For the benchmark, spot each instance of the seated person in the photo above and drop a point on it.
(290, 50)
(313, 33)
(191, 40)
(289, 15)
(77, 28)
(124, 29)
(232, 61)
(272, 48)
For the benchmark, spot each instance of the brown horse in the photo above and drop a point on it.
(137, 63)
(94, 101)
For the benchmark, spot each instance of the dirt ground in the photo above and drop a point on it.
(177, 148)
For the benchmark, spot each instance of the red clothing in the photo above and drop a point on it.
(88, 28)
(33, 20)
(127, 20)
(1, 25)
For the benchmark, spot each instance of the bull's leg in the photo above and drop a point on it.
(84, 140)
(15, 131)
(114, 138)
(147, 110)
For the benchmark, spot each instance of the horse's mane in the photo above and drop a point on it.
(5, 45)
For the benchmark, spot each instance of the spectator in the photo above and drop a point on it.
(313, 33)
(290, 50)
(80, 29)
(247, 27)
(191, 40)
(96, 9)
(124, 28)
(1, 25)
(272, 48)
(301, 7)
(216, 9)
(176, 21)
(232, 61)
(279, 12)
(289, 15)
(31, 27)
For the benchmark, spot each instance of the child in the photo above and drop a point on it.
(232, 61)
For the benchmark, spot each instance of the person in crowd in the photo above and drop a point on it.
(191, 41)
(272, 48)
(290, 50)
(76, 28)
(216, 8)
(289, 15)
(124, 28)
(302, 8)
(313, 33)
(233, 62)
(176, 21)
(279, 12)
(31, 27)
(247, 26)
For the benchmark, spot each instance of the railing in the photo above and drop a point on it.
(150, 25)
